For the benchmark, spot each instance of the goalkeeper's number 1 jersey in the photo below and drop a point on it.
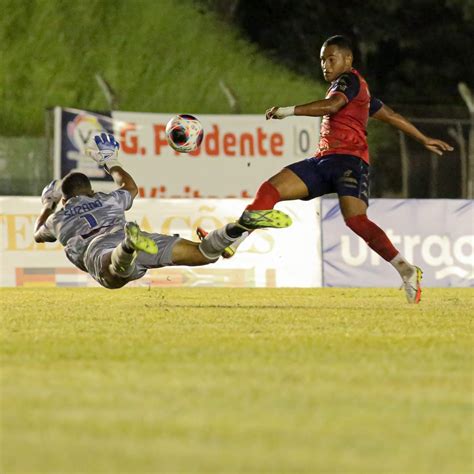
(85, 217)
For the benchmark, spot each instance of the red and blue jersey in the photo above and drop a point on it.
(345, 132)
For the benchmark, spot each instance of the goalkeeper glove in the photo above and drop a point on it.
(51, 194)
(107, 154)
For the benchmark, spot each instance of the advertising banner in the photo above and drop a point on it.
(268, 258)
(238, 151)
(437, 235)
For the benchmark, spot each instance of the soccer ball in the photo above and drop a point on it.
(184, 133)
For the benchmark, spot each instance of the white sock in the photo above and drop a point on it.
(215, 242)
(122, 263)
(235, 245)
(402, 266)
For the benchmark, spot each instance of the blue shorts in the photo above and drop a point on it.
(345, 175)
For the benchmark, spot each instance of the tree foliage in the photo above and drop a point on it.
(410, 51)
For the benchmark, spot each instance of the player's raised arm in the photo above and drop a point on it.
(50, 198)
(387, 115)
(107, 156)
(318, 108)
(344, 87)
(123, 180)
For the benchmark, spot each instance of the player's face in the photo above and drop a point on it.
(334, 61)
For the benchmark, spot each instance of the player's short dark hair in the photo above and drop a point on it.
(340, 41)
(74, 184)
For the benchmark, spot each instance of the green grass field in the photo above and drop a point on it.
(220, 380)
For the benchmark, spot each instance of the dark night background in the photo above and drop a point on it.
(412, 53)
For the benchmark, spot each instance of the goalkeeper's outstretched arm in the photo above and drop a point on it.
(39, 235)
(107, 157)
(123, 180)
(50, 198)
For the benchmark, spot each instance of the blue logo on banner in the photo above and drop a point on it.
(436, 235)
(78, 128)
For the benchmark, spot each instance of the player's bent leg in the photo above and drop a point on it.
(352, 206)
(122, 261)
(354, 212)
(284, 186)
(374, 236)
(108, 279)
(215, 242)
(202, 234)
(139, 241)
(186, 252)
(289, 185)
(98, 258)
(258, 215)
(172, 250)
(229, 251)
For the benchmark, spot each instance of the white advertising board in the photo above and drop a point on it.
(268, 258)
(238, 151)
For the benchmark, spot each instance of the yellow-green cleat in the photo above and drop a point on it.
(137, 240)
(253, 219)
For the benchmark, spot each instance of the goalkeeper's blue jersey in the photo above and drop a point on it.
(85, 217)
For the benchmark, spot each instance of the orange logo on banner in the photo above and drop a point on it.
(215, 143)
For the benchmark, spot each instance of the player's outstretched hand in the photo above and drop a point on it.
(107, 154)
(279, 112)
(51, 194)
(437, 146)
(108, 147)
(271, 113)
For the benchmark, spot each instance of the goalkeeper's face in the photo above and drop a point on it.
(335, 61)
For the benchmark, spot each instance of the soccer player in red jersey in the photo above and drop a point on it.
(341, 163)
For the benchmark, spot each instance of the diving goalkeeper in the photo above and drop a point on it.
(97, 238)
